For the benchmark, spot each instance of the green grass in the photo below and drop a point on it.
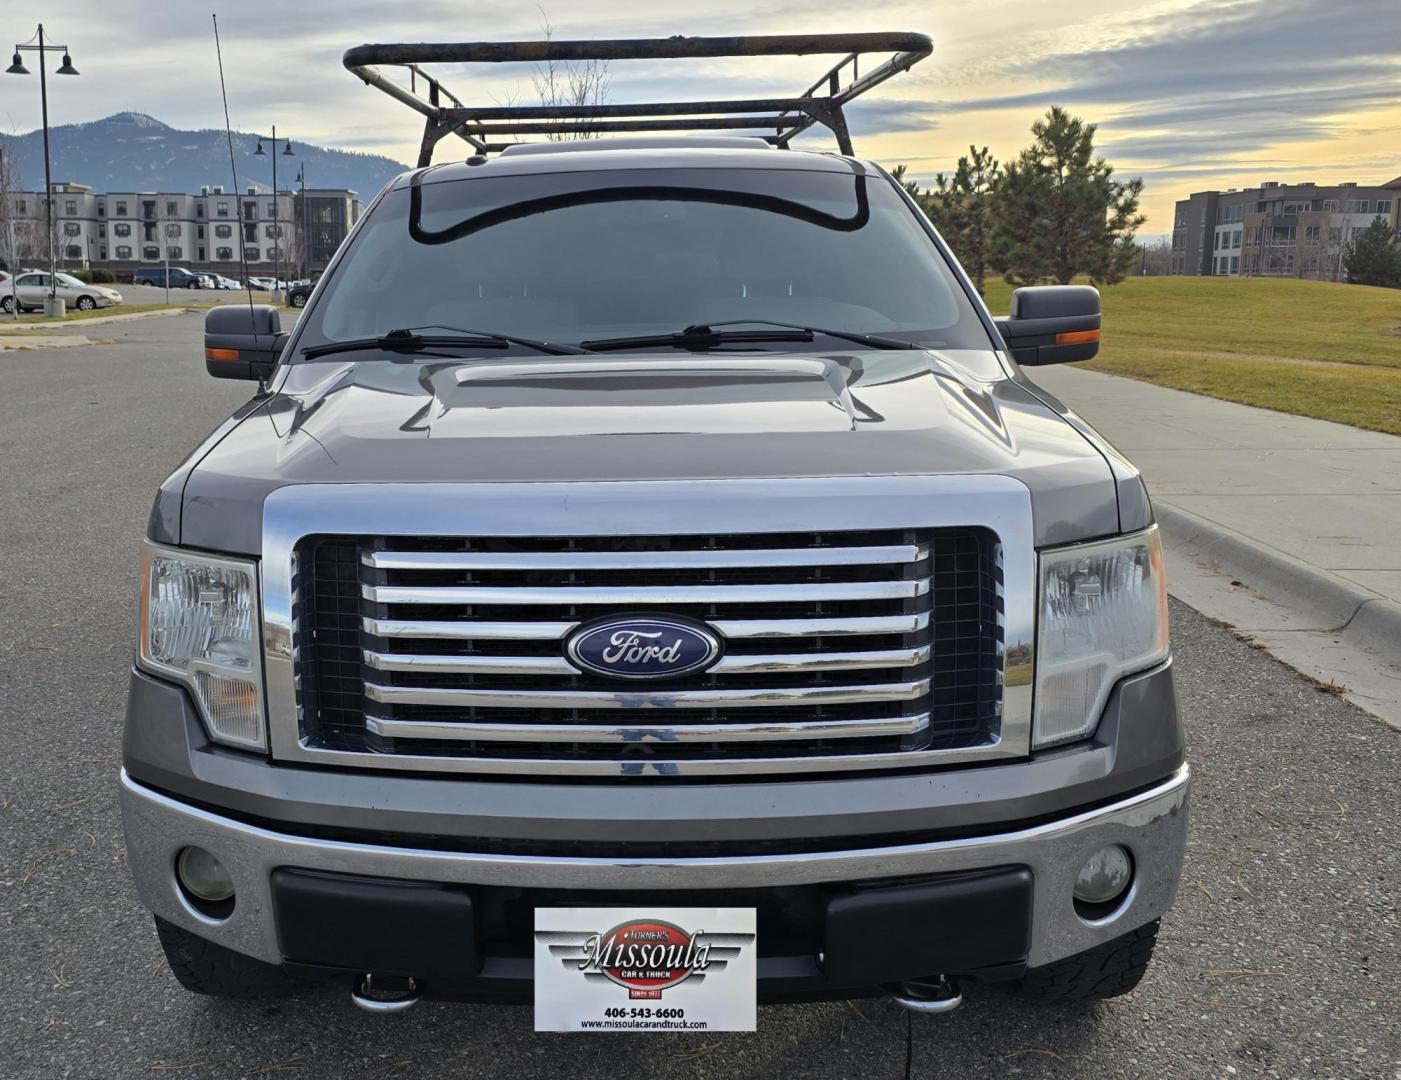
(1310, 348)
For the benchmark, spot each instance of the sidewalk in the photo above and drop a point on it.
(1285, 527)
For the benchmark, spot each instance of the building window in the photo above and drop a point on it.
(1235, 239)
(272, 209)
(273, 232)
(121, 209)
(121, 228)
(224, 254)
(102, 231)
(101, 208)
(72, 228)
(250, 233)
(1330, 206)
(1235, 264)
(123, 251)
(1383, 207)
(1335, 234)
(221, 209)
(172, 232)
(102, 254)
(199, 209)
(199, 232)
(250, 211)
(223, 232)
(200, 256)
(21, 207)
(171, 208)
(70, 207)
(150, 253)
(175, 252)
(1311, 234)
(250, 254)
(73, 251)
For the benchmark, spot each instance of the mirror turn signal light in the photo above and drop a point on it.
(220, 354)
(1077, 337)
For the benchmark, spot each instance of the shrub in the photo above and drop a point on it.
(96, 277)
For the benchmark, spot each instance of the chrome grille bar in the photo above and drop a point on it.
(729, 665)
(735, 629)
(645, 560)
(646, 733)
(648, 594)
(640, 698)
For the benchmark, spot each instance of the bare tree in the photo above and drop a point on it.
(580, 83)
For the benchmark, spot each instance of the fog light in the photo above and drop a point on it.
(1105, 875)
(203, 875)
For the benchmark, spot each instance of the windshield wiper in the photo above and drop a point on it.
(696, 337)
(408, 340)
(706, 335)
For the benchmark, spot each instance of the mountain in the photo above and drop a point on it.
(131, 151)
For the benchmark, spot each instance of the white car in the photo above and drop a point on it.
(32, 289)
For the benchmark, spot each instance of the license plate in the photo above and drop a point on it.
(644, 969)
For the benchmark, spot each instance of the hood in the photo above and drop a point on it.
(650, 417)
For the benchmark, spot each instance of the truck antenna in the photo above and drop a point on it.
(233, 167)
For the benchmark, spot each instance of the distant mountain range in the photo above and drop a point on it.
(131, 151)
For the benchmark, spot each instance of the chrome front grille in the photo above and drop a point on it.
(844, 650)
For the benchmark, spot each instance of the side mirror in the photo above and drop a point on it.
(242, 341)
(1052, 324)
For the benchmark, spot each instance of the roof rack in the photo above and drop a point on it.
(484, 126)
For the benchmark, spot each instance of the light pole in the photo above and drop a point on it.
(306, 223)
(67, 68)
(276, 221)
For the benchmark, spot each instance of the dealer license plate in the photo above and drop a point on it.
(644, 969)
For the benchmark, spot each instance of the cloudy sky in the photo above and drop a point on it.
(1189, 94)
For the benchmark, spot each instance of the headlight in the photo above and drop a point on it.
(199, 624)
(1103, 615)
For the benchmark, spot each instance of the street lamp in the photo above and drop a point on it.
(66, 68)
(276, 205)
(306, 223)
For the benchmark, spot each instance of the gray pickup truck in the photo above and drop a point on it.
(643, 525)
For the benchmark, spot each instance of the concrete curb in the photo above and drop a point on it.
(1333, 630)
(99, 320)
(29, 343)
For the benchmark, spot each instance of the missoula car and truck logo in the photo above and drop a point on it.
(647, 956)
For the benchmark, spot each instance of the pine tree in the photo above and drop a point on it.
(963, 211)
(1059, 212)
(1372, 257)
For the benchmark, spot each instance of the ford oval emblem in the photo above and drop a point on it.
(642, 648)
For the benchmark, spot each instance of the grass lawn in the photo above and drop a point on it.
(1307, 347)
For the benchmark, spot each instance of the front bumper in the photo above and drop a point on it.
(1152, 824)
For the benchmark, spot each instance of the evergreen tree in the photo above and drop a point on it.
(1372, 257)
(1059, 212)
(963, 212)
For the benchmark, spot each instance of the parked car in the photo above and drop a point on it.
(263, 284)
(180, 278)
(33, 288)
(300, 293)
(624, 530)
(221, 282)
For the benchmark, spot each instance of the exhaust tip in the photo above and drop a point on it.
(391, 995)
(928, 996)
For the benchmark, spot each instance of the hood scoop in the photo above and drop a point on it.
(648, 394)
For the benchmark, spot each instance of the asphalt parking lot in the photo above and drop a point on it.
(1282, 958)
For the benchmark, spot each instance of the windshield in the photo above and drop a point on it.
(68, 279)
(573, 257)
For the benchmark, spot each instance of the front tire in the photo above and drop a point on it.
(7, 304)
(298, 300)
(202, 967)
(1105, 971)
(86, 303)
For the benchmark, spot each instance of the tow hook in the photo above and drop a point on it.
(387, 995)
(929, 996)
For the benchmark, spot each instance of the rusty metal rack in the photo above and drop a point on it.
(780, 118)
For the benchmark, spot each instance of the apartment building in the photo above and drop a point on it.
(214, 230)
(1277, 230)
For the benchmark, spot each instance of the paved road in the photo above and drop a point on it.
(1281, 959)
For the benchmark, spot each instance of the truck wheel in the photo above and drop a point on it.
(203, 967)
(1105, 971)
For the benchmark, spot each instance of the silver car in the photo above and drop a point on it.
(31, 289)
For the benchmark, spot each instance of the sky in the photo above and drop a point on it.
(1188, 94)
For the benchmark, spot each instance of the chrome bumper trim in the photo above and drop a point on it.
(1152, 824)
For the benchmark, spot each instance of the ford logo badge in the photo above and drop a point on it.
(642, 648)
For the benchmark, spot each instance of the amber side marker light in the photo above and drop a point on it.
(1077, 337)
(221, 354)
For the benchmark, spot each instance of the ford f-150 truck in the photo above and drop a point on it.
(652, 525)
